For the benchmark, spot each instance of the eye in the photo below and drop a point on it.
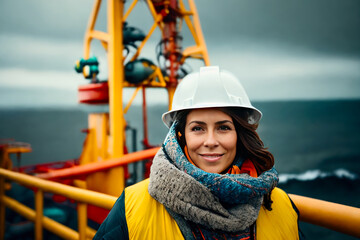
(224, 128)
(196, 129)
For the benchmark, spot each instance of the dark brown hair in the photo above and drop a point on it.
(249, 144)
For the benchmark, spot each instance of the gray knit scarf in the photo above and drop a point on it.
(183, 195)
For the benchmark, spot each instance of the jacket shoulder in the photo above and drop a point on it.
(147, 218)
(114, 226)
(279, 223)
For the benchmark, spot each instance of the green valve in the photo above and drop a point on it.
(90, 71)
(79, 64)
(89, 67)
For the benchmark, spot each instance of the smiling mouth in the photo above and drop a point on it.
(211, 157)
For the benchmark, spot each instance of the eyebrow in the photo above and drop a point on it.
(225, 121)
(217, 123)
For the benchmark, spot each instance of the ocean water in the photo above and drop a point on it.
(315, 144)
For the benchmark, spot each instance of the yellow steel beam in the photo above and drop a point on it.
(116, 79)
(129, 10)
(154, 14)
(90, 27)
(189, 24)
(200, 35)
(102, 36)
(156, 75)
(132, 99)
(152, 29)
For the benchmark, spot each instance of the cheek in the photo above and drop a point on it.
(192, 141)
(230, 142)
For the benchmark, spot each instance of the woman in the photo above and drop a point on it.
(212, 178)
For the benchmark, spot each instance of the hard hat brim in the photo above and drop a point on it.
(254, 118)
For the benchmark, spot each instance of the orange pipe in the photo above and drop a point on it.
(100, 166)
(330, 215)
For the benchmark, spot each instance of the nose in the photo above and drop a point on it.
(210, 140)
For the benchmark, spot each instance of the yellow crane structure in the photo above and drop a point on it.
(100, 176)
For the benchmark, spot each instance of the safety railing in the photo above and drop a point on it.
(334, 216)
(82, 196)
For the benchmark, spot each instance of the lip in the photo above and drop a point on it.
(211, 157)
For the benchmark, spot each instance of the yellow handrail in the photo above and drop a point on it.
(82, 196)
(48, 223)
(334, 216)
(330, 215)
(77, 194)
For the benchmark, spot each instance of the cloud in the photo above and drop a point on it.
(40, 98)
(320, 25)
(301, 50)
(274, 72)
(34, 79)
(26, 51)
(51, 19)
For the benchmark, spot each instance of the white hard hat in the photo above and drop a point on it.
(210, 88)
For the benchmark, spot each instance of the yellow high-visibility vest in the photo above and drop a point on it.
(148, 219)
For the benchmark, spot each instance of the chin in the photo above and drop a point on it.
(213, 169)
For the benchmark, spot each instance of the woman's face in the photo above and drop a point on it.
(211, 139)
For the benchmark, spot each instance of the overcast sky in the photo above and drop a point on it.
(280, 49)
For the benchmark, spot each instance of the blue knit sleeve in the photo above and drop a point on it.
(114, 226)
